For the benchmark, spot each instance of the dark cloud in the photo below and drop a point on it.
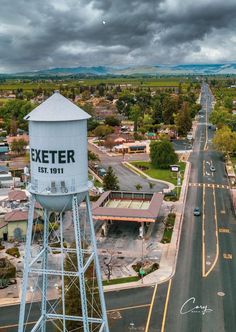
(42, 34)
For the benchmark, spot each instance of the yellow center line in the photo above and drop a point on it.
(217, 238)
(166, 306)
(151, 307)
(203, 230)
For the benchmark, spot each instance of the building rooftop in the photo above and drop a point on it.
(17, 195)
(17, 215)
(128, 206)
(57, 108)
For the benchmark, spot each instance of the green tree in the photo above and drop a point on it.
(225, 140)
(162, 154)
(138, 186)
(18, 146)
(135, 115)
(183, 120)
(112, 121)
(110, 180)
(73, 295)
(17, 110)
(102, 131)
(93, 156)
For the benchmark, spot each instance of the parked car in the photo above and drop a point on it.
(197, 211)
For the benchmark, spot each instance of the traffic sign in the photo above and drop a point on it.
(142, 272)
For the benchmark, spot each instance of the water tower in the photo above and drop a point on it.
(59, 183)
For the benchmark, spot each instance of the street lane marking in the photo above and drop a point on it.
(151, 308)
(227, 256)
(224, 230)
(15, 325)
(108, 311)
(204, 167)
(128, 308)
(209, 185)
(205, 146)
(217, 237)
(166, 306)
(203, 231)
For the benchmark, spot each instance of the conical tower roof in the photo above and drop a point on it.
(57, 108)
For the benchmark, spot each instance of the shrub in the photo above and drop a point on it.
(13, 252)
(7, 269)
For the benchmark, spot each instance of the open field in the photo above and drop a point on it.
(27, 85)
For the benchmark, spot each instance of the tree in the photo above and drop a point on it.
(138, 186)
(112, 121)
(102, 130)
(135, 115)
(225, 140)
(110, 180)
(109, 143)
(93, 156)
(183, 120)
(73, 295)
(18, 146)
(162, 154)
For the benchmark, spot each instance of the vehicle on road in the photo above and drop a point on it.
(212, 169)
(197, 211)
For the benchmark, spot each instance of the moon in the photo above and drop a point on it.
(104, 22)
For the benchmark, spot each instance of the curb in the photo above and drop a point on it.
(141, 173)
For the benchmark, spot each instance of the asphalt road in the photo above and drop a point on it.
(203, 292)
(127, 179)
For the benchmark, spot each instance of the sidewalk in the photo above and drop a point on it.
(170, 250)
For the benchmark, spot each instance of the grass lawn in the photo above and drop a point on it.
(120, 280)
(166, 238)
(160, 174)
(233, 159)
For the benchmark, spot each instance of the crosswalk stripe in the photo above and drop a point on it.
(209, 185)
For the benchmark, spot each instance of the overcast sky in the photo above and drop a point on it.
(39, 34)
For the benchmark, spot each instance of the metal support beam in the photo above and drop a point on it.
(83, 295)
(45, 276)
(26, 264)
(74, 318)
(97, 266)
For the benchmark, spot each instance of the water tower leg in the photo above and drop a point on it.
(79, 252)
(44, 267)
(63, 275)
(97, 266)
(26, 264)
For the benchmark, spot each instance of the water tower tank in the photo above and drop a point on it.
(58, 152)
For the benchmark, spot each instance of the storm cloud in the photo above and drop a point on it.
(68, 33)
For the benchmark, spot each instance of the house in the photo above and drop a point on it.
(17, 195)
(5, 176)
(3, 230)
(10, 139)
(17, 224)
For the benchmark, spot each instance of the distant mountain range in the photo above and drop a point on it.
(187, 69)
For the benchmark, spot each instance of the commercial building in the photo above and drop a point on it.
(143, 208)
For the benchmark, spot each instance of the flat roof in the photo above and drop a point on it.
(128, 206)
